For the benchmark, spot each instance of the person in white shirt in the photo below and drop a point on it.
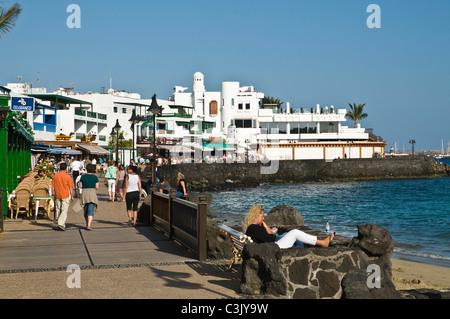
(76, 167)
(133, 190)
(78, 189)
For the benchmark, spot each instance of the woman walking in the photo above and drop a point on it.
(133, 191)
(121, 182)
(89, 183)
(112, 175)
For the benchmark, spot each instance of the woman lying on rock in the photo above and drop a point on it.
(255, 227)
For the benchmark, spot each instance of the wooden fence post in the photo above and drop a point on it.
(201, 228)
(152, 191)
(172, 196)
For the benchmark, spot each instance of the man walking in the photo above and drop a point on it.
(76, 166)
(62, 192)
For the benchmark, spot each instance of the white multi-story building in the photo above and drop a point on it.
(233, 117)
(237, 115)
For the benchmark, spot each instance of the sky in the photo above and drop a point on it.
(305, 52)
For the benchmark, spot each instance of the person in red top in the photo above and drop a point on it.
(62, 190)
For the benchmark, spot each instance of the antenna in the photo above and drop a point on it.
(19, 77)
(37, 81)
(110, 80)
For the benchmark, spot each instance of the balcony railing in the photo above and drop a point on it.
(90, 114)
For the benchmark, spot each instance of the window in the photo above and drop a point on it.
(247, 106)
(309, 127)
(240, 106)
(244, 123)
(328, 127)
(295, 128)
(273, 128)
(115, 109)
(124, 110)
(213, 108)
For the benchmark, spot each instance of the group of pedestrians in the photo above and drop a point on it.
(63, 191)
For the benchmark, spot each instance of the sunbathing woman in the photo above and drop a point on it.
(255, 227)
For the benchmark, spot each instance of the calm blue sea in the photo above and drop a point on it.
(415, 211)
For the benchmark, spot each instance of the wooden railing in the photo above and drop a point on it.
(181, 220)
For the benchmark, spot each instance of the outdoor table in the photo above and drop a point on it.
(38, 198)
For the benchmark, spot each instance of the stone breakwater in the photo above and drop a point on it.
(227, 176)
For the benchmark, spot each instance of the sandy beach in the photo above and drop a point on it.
(412, 275)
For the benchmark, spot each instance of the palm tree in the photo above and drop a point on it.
(8, 18)
(272, 100)
(356, 112)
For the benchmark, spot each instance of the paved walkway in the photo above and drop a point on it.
(115, 260)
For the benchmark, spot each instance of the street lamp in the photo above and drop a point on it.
(133, 120)
(412, 142)
(116, 129)
(153, 110)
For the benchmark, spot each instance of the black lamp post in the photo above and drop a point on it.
(412, 143)
(116, 129)
(133, 120)
(153, 110)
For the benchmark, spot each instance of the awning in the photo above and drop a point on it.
(60, 100)
(63, 151)
(54, 150)
(93, 149)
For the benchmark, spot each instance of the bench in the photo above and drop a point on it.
(237, 242)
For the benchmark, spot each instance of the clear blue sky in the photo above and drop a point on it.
(302, 51)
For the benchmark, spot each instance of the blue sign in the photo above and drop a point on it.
(22, 104)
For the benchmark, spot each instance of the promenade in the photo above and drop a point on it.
(115, 260)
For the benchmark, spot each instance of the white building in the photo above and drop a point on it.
(233, 116)
(237, 114)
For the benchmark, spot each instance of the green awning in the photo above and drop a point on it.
(57, 99)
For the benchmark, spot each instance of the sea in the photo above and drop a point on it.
(416, 212)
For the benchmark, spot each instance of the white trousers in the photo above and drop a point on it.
(111, 185)
(289, 239)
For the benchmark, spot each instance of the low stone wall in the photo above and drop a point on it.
(338, 271)
(335, 272)
(219, 176)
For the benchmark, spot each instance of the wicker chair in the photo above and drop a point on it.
(21, 202)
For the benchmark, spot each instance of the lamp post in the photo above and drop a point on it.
(133, 120)
(116, 129)
(153, 110)
(412, 142)
(112, 134)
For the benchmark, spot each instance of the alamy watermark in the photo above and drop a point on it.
(74, 19)
(206, 153)
(374, 279)
(374, 19)
(74, 279)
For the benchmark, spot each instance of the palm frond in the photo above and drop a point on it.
(8, 18)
